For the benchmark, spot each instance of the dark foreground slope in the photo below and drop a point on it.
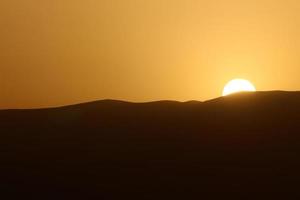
(244, 146)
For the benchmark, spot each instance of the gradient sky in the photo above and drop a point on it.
(57, 52)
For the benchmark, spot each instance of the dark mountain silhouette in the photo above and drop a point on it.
(243, 146)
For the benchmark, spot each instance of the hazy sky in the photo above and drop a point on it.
(56, 52)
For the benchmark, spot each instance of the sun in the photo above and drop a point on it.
(238, 85)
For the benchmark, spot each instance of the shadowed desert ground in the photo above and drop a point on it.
(243, 146)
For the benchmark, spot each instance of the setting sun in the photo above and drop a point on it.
(238, 85)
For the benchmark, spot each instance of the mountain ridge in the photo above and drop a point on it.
(245, 146)
(114, 101)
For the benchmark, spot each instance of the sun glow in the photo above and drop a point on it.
(238, 85)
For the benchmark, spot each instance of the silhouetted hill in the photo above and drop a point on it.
(243, 146)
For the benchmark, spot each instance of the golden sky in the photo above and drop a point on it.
(57, 52)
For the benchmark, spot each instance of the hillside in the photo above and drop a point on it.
(245, 145)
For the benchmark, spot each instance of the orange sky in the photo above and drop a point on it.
(57, 52)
